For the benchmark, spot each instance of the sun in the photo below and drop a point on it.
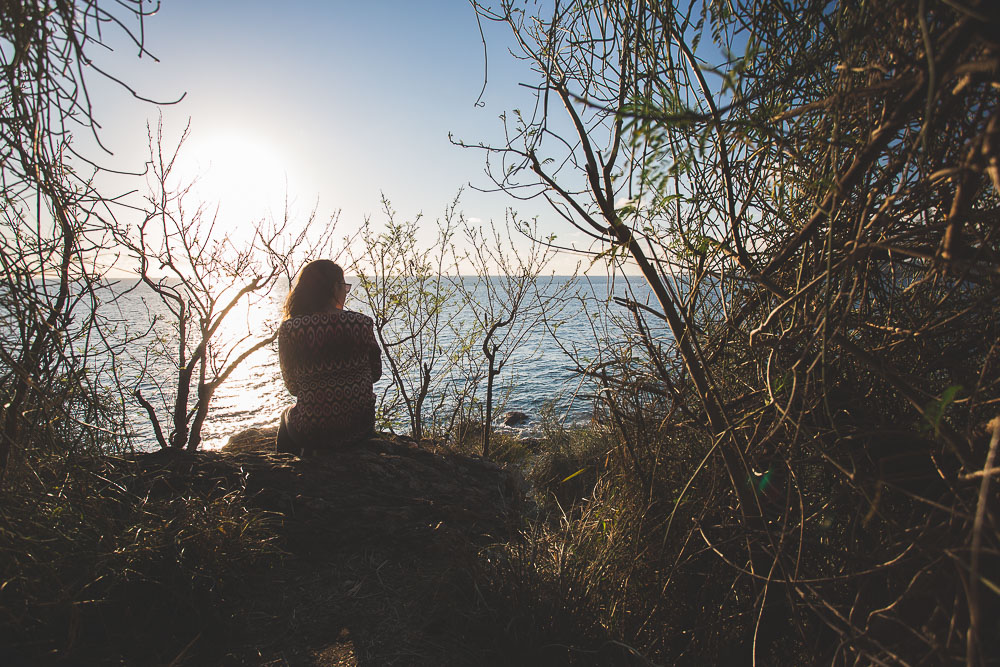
(238, 171)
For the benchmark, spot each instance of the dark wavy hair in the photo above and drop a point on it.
(313, 289)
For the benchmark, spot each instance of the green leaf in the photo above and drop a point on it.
(934, 410)
(765, 480)
(572, 476)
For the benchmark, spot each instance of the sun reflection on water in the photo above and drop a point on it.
(249, 397)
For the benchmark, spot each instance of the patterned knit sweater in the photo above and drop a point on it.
(329, 362)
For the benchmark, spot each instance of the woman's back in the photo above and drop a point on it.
(329, 362)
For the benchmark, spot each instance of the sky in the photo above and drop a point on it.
(343, 101)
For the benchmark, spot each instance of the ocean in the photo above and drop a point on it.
(539, 379)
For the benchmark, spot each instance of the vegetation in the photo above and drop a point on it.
(810, 190)
(450, 315)
(804, 472)
(409, 290)
(54, 239)
(506, 301)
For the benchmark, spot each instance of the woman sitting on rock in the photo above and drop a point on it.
(329, 362)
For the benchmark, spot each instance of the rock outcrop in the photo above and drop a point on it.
(388, 488)
(382, 541)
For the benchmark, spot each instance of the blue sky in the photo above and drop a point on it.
(346, 100)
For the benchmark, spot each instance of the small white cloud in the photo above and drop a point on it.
(474, 220)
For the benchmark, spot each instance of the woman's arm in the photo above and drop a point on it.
(285, 355)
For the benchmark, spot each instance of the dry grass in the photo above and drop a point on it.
(102, 564)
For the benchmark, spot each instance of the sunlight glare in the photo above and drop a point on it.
(240, 172)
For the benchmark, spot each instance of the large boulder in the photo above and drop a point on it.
(389, 489)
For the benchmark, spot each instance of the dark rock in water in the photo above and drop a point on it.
(515, 418)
